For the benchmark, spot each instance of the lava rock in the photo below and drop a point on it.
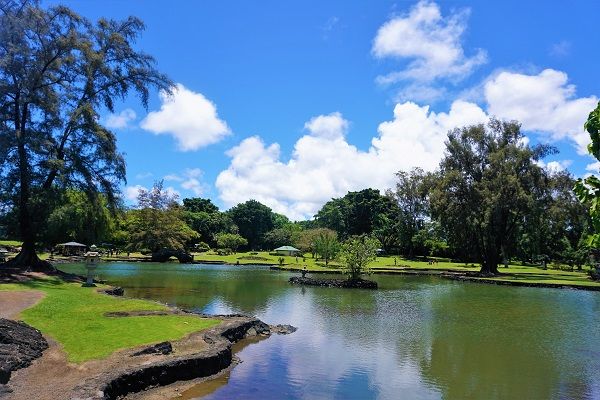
(20, 344)
(283, 329)
(164, 255)
(116, 291)
(159, 348)
(340, 283)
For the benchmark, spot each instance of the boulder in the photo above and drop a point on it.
(20, 344)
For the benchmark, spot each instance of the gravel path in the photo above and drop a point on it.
(13, 302)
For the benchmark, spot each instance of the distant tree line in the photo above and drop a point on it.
(489, 202)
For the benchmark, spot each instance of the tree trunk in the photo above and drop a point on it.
(27, 259)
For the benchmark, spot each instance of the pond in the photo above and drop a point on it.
(417, 337)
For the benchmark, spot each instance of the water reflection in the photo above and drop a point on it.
(416, 337)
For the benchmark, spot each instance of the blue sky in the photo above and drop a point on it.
(292, 103)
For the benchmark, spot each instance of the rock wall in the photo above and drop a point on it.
(179, 368)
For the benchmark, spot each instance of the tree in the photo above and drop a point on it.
(485, 188)
(411, 199)
(57, 71)
(253, 220)
(354, 214)
(306, 240)
(588, 189)
(326, 245)
(208, 225)
(356, 254)
(277, 237)
(78, 219)
(230, 241)
(157, 223)
(198, 204)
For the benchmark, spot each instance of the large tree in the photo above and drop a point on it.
(588, 189)
(486, 186)
(253, 220)
(411, 198)
(58, 71)
(356, 213)
(157, 223)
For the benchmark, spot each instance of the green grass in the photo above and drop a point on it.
(75, 317)
(15, 243)
(387, 264)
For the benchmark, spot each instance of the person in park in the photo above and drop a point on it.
(304, 271)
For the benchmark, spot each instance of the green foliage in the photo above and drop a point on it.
(356, 254)
(157, 223)
(197, 205)
(277, 237)
(326, 245)
(58, 71)
(588, 189)
(202, 247)
(486, 186)
(253, 220)
(208, 224)
(78, 219)
(230, 241)
(354, 214)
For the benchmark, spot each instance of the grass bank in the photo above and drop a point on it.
(396, 265)
(75, 317)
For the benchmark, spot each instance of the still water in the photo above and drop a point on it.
(416, 337)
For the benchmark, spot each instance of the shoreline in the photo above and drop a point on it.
(200, 355)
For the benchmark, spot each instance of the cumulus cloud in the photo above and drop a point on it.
(189, 179)
(432, 43)
(120, 120)
(131, 192)
(324, 165)
(189, 117)
(544, 103)
(555, 166)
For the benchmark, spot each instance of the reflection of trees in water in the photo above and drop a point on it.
(503, 343)
(196, 287)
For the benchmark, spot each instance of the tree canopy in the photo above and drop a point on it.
(58, 70)
(486, 186)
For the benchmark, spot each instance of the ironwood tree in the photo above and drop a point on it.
(58, 72)
(486, 186)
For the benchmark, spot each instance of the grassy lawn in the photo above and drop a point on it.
(15, 243)
(74, 317)
(390, 264)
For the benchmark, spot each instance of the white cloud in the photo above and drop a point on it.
(544, 103)
(144, 175)
(121, 120)
(593, 167)
(431, 41)
(189, 117)
(189, 179)
(555, 166)
(324, 165)
(131, 192)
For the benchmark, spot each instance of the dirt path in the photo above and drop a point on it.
(13, 302)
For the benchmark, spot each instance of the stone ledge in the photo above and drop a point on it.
(133, 379)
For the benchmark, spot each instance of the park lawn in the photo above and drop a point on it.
(75, 317)
(14, 243)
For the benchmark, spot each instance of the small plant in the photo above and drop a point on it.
(281, 261)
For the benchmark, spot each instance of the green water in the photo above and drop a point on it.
(414, 338)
